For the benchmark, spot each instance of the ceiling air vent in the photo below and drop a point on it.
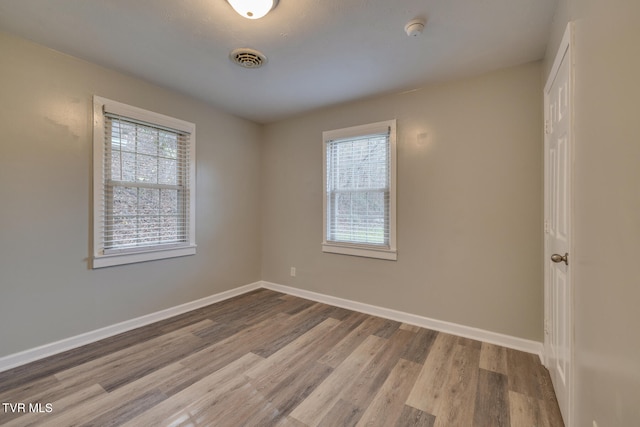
(248, 58)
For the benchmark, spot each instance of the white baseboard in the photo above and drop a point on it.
(31, 355)
(508, 341)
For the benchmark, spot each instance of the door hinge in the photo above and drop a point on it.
(546, 127)
(546, 226)
(546, 326)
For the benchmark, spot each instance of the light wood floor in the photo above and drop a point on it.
(266, 358)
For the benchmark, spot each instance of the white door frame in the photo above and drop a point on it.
(565, 52)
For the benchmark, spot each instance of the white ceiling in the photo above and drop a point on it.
(320, 52)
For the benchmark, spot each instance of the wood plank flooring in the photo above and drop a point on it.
(270, 359)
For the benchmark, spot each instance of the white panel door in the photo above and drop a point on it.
(558, 285)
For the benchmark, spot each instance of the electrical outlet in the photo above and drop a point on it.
(293, 272)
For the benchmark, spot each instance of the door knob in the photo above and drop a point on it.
(560, 258)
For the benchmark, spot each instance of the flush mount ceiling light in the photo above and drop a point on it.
(253, 9)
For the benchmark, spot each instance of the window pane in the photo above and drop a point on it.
(147, 169)
(168, 171)
(169, 202)
(147, 140)
(148, 207)
(168, 144)
(116, 166)
(148, 201)
(169, 229)
(127, 134)
(123, 231)
(143, 154)
(125, 201)
(358, 164)
(129, 167)
(359, 217)
(144, 216)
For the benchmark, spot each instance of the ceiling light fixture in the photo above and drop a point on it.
(253, 9)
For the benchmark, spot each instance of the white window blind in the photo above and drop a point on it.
(143, 197)
(146, 185)
(360, 189)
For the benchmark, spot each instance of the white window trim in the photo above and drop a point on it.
(100, 259)
(354, 249)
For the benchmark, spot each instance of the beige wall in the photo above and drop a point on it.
(607, 208)
(469, 204)
(47, 291)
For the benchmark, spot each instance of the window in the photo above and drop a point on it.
(144, 185)
(359, 165)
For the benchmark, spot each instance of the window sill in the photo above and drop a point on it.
(151, 255)
(386, 254)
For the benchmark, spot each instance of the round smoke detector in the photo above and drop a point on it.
(248, 58)
(415, 27)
